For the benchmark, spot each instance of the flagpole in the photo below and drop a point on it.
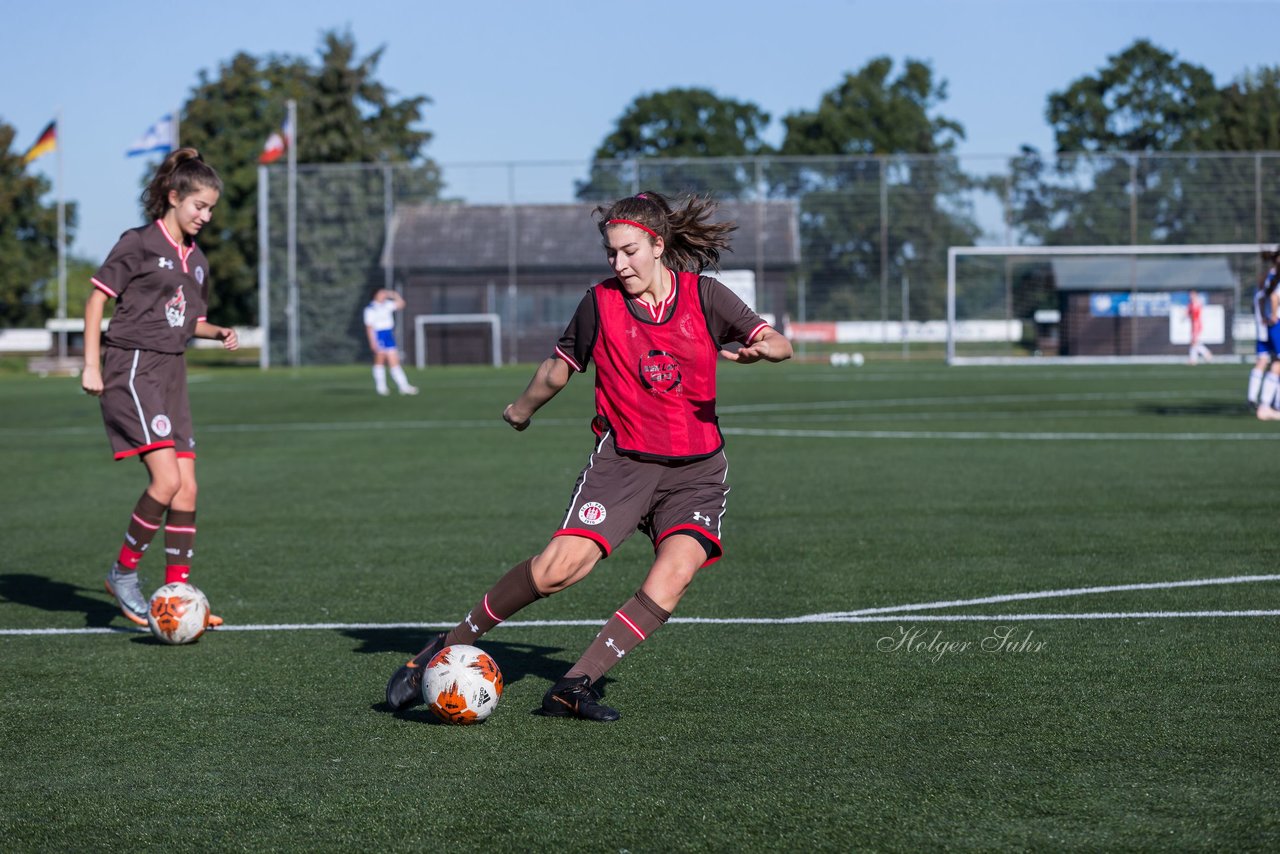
(62, 243)
(177, 118)
(264, 267)
(292, 233)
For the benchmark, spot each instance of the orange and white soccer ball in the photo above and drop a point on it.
(462, 685)
(179, 613)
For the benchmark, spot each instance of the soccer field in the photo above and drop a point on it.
(978, 608)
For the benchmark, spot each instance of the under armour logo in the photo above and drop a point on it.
(698, 517)
(613, 646)
(475, 630)
(166, 263)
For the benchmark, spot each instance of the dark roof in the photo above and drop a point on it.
(1142, 274)
(476, 238)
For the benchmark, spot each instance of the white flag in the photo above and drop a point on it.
(158, 138)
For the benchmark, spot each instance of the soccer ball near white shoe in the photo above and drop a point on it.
(178, 613)
(462, 685)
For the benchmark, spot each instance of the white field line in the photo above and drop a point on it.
(998, 434)
(889, 614)
(781, 410)
(937, 400)
(1053, 594)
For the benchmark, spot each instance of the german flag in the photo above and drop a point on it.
(47, 142)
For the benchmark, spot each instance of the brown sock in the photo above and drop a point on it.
(512, 592)
(638, 618)
(179, 544)
(147, 516)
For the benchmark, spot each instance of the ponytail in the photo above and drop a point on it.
(692, 242)
(183, 171)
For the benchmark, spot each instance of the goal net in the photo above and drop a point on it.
(1010, 304)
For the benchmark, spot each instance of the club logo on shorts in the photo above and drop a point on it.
(659, 371)
(592, 513)
(160, 425)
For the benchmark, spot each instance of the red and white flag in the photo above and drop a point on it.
(277, 144)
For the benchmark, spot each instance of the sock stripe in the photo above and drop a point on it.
(489, 610)
(180, 530)
(630, 625)
(144, 523)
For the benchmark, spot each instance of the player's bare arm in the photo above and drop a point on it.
(552, 376)
(225, 334)
(769, 344)
(91, 376)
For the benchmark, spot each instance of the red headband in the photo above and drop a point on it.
(636, 224)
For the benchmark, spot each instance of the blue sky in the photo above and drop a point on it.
(526, 81)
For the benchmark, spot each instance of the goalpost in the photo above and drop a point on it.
(421, 321)
(1032, 304)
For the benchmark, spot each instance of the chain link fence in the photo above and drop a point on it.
(821, 240)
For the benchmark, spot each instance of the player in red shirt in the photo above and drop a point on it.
(1195, 314)
(655, 330)
(160, 281)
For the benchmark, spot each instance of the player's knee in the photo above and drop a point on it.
(561, 566)
(164, 489)
(186, 493)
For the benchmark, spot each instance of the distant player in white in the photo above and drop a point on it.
(380, 324)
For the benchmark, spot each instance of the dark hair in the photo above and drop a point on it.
(693, 243)
(183, 171)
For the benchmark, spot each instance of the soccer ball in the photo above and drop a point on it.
(179, 613)
(462, 685)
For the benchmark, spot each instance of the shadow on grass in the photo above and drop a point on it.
(37, 591)
(1214, 408)
(516, 660)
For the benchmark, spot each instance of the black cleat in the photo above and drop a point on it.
(574, 697)
(404, 690)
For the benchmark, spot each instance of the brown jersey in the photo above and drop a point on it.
(161, 288)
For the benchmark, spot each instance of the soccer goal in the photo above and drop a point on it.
(1031, 304)
(422, 321)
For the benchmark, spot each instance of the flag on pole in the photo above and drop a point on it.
(158, 138)
(47, 142)
(277, 144)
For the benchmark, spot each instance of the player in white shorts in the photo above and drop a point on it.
(380, 324)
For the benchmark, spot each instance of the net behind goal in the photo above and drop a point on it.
(1099, 303)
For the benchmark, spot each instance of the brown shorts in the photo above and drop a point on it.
(144, 402)
(617, 495)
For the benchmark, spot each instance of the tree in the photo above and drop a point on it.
(690, 126)
(870, 114)
(871, 209)
(1105, 185)
(28, 240)
(1144, 99)
(344, 116)
(1249, 113)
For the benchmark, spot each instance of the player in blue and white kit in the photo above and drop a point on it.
(1264, 383)
(380, 324)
